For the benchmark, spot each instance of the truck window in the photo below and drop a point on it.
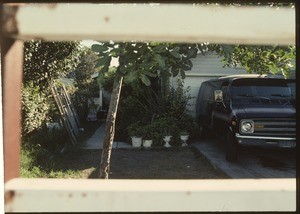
(210, 88)
(224, 89)
(206, 91)
(259, 88)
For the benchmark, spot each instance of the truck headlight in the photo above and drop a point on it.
(247, 126)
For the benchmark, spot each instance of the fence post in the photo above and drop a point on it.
(12, 81)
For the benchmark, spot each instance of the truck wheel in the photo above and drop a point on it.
(231, 147)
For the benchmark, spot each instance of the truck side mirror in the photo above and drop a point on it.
(218, 96)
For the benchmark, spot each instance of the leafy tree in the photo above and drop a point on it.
(266, 59)
(46, 61)
(43, 63)
(35, 108)
(86, 87)
(258, 59)
(138, 61)
(141, 61)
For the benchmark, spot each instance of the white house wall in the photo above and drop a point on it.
(206, 67)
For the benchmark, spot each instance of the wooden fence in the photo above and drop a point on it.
(164, 22)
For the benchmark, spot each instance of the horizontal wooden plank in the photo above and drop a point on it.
(80, 195)
(160, 22)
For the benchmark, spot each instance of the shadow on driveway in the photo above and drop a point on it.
(252, 162)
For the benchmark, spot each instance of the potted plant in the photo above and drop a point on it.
(148, 135)
(184, 136)
(135, 132)
(167, 136)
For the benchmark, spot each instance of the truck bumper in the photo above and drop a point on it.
(281, 142)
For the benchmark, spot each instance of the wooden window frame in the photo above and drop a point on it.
(214, 195)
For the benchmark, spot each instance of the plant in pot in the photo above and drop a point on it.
(170, 130)
(135, 132)
(148, 135)
(184, 136)
(167, 135)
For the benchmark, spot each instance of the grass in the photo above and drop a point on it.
(154, 163)
(39, 161)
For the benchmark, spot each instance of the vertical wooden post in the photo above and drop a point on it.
(12, 81)
(110, 128)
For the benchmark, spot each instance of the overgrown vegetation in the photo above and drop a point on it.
(37, 162)
(154, 113)
(35, 108)
(85, 86)
(45, 63)
(41, 157)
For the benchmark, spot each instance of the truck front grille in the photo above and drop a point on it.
(275, 127)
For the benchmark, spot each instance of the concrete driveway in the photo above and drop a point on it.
(252, 162)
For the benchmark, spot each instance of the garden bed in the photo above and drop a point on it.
(153, 163)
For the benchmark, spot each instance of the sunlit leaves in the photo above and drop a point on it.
(160, 60)
(145, 80)
(46, 61)
(99, 48)
(141, 61)
(259, 59)
(131, 76)
(103, 61)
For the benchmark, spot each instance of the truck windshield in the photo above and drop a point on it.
(263, 88)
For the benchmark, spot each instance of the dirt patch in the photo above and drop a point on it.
(158, 163)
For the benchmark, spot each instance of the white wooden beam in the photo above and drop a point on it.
(74, 195)
(164, 22)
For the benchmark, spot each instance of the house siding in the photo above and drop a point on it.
(206, 67)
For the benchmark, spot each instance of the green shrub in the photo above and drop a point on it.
(33, 157)
(173, 104)
(168, 114)
(136, 129)
(37, 162)
(35, 108)
(106, 79)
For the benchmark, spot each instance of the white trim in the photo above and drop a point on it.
(265, 138)
(168, 22)
(80, 195)
(204, 75)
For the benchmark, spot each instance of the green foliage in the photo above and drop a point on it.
(35, 108)
(31, 155)
(139, 61)
(259, 59)
(84, 70)
(37, 162)
(135, 129)
(46, 61)
(43, 63)
(172, 104)
(151, 132)
(153, 115)
(106, 79)
(86, 87)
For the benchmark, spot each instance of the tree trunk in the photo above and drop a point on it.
(110, 128)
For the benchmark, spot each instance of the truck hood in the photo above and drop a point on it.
(243, 110)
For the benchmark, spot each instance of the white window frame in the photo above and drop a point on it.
(165, 22)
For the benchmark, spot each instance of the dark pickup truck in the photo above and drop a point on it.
(248, 111)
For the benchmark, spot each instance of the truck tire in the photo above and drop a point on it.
(231, 147)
